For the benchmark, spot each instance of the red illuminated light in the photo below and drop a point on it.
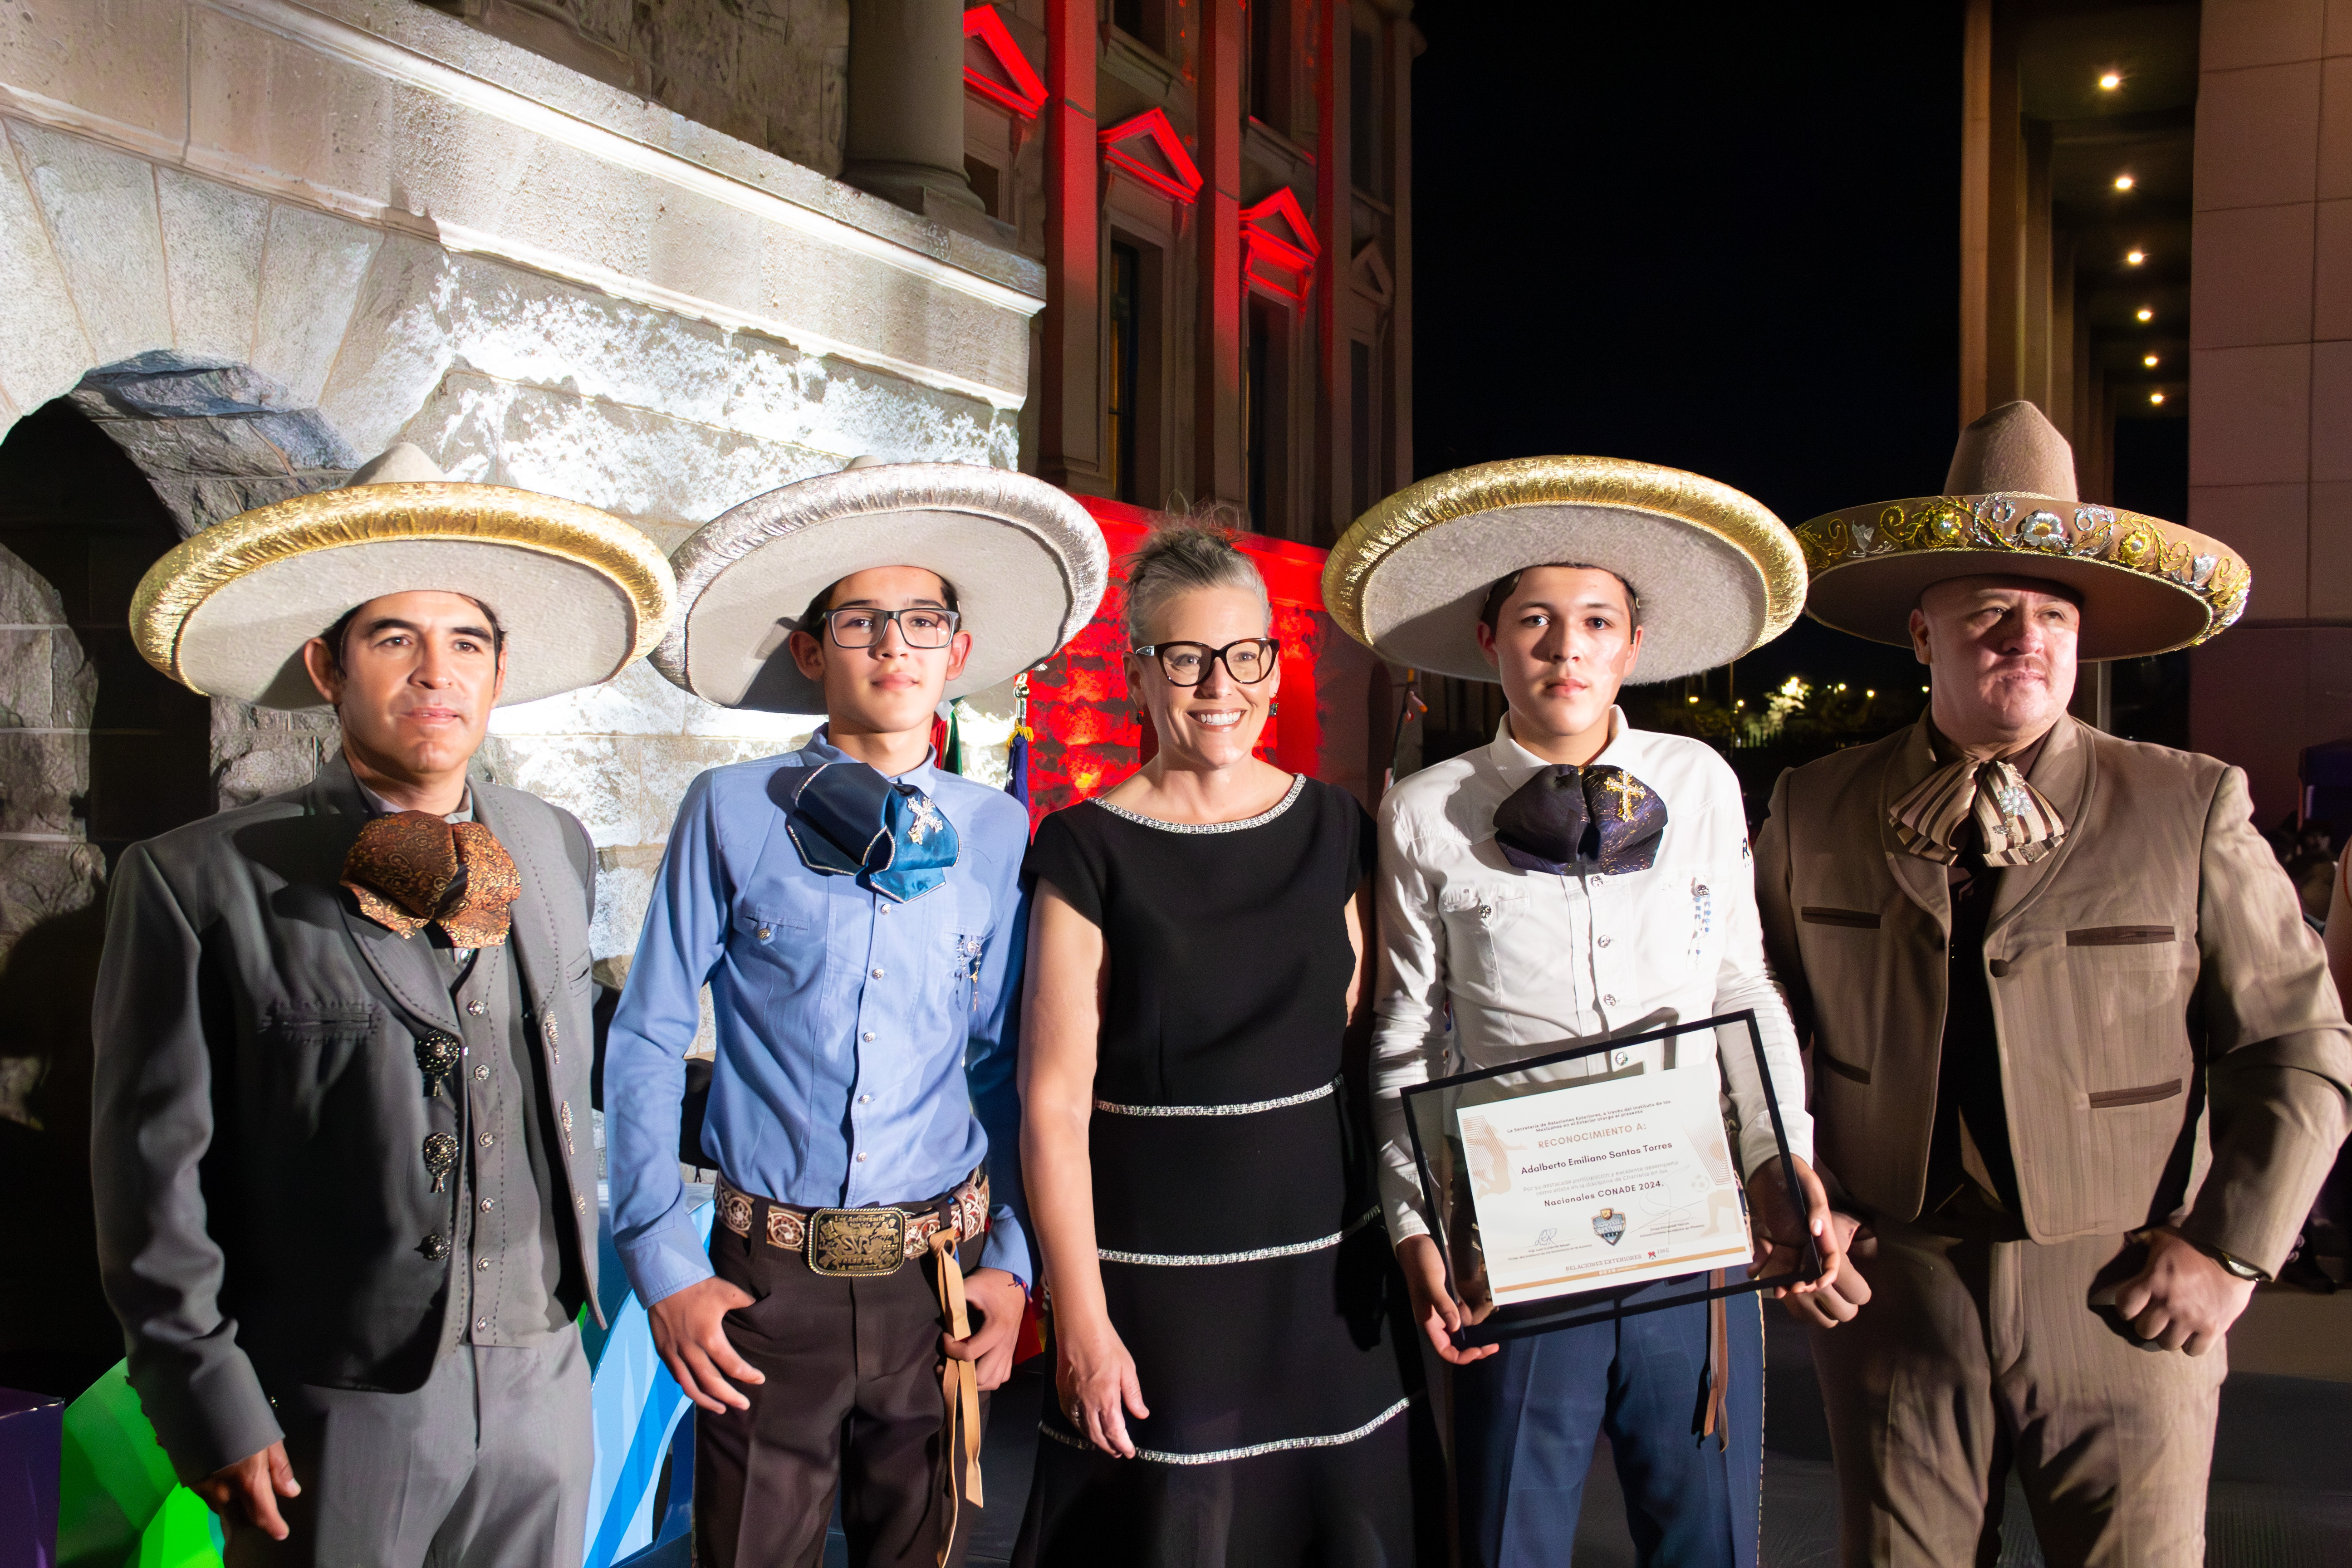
(1019, 90)
(1130, 146)
(1279, 246)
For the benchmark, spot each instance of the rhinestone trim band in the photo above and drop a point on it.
(1246, 1107)
(1255, 1254)
(1222, 1456)
(1298, 783)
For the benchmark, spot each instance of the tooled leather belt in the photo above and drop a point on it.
(859, 1243)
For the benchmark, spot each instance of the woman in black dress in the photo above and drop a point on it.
(1229, 1387)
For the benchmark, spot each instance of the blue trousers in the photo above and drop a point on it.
(1525, 1418)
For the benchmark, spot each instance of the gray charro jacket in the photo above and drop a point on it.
(256, 1153)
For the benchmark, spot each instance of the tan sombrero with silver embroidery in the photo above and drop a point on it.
(1716, 575)
(578, 593)
(1027, 564)
(2010, 509)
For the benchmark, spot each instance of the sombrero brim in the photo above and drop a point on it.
(2146, 586)
(1718, 575)
(578, 593)
(1028, 561)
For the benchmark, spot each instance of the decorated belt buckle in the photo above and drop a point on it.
(856, 1244)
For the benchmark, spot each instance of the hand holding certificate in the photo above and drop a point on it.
(1556, 1192)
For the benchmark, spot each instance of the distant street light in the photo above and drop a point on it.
(2109, 82)
(2123, 181)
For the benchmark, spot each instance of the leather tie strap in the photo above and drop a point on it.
(411, 870)
(959, 1385)
(2018, 824)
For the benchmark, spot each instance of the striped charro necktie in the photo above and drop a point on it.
(2018, 824)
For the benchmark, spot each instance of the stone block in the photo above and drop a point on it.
(42, 777)
(41, 882)
(27, 676)
(2253, 416)
(2252, 268)
(399, 341)
(626, 878)
(638, 702)
(776, 732)
(275, 109)
(28, 598)
(309, 288)
(2257, 136)
(120, 60)
(100, 207)
(43, 350)
(212, 258)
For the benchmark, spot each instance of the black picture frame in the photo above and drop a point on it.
(1577, 1308)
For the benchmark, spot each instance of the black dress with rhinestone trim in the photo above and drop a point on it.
(1244, 1261)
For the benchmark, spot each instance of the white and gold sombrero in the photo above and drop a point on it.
(578, 593)
(2010, 509)
(1716, 573)
(1027, 562)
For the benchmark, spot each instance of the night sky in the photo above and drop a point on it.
(1721, 238)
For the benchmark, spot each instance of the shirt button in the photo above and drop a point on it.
(1608, 1000)
(885, 908)
(482, 1265)
(1622, 1057)
(861, 1159)
(877, 974)
(1604, 942)
(868, 1036)
(485, 1140)
(481, 1073)
(762, 933)
(481, 1325)
(487, 1203)
(864, 1098)
(476, 1008)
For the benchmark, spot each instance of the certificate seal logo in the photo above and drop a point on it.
(1609, 1226)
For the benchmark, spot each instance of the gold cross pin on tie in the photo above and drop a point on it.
(1629, 794)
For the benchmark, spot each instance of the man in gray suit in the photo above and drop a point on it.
(345, 1186)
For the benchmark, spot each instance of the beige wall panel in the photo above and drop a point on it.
(2269, 526)
(263, 105)
(311, 285)
(2253, 267)
(43, 351)
(2331, 411)
(2257, 136)
(2335, 129)
(2262, 737)
(2339, 27)
(121, 62)
(2331, 292)
(2238, 33)
(2253, 416)
(213, 240)
(100, 205)
(2331, 553)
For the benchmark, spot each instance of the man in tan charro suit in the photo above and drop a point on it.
(2077, 1067)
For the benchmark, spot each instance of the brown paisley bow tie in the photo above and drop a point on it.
(412, 870)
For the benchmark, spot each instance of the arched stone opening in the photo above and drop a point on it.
(98, 751)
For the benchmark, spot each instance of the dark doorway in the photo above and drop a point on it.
(80, 514)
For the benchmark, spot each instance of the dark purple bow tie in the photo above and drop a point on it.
(1584, 820)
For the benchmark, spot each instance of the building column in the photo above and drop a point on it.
(1070, 424)
(1332, 480)
(1220, 472)
(1401, 41)
(905, 137)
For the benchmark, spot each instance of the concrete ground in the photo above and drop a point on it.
(2282, 1488)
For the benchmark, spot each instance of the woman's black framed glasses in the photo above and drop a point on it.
(1249, 661)
(922, 626)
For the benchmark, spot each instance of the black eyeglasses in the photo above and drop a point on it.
(922, 626)
(1249, 661)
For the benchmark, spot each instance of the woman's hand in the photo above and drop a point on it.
(1094, 1379)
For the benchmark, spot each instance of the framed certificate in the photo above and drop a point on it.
(1556, 1189)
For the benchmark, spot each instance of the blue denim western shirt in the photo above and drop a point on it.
(866, 1048)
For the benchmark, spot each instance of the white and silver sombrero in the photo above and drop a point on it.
(1028, 561)
(578, 592)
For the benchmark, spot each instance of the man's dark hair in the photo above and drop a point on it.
(817, 606)
(336, 636)
(1499, 593)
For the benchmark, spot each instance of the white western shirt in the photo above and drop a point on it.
(1529, 962)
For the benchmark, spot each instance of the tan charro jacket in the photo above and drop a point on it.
(2170, 1043)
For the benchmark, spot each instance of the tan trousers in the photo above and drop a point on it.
(1976, 1355)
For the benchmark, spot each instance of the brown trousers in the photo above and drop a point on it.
(852, 1404)
(1975, 1355)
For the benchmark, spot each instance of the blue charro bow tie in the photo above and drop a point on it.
(848, 820)
(1580, 820)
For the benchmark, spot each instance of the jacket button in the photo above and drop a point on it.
(762, 933)
(1997, 967)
